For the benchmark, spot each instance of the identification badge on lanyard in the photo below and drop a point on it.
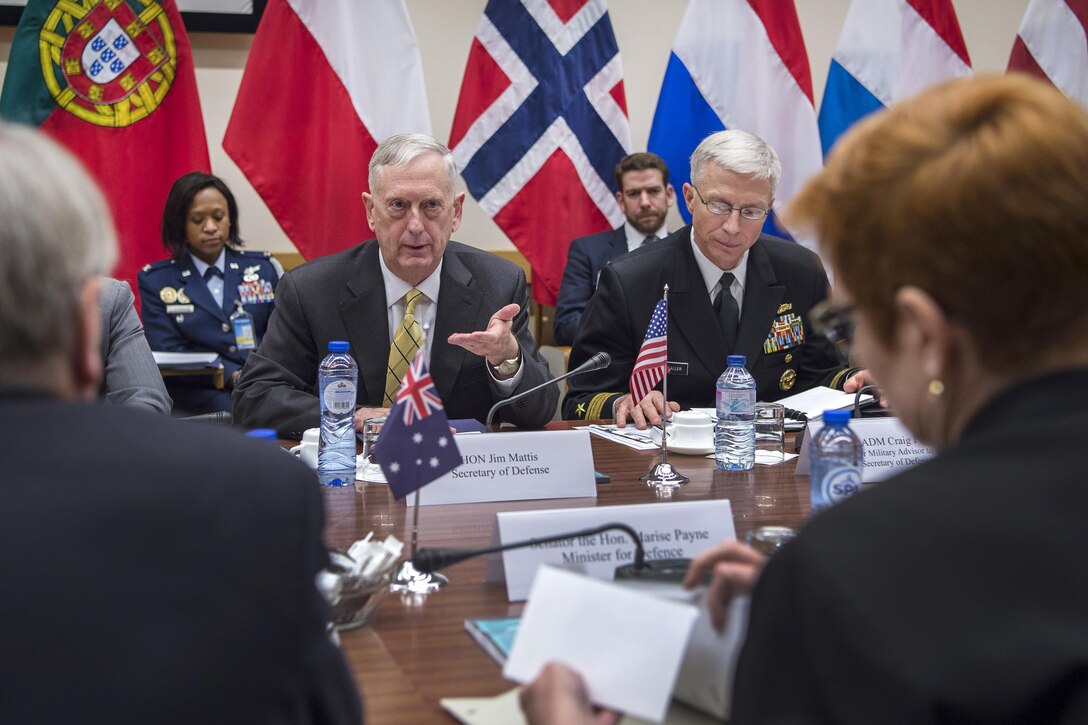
(242, 322)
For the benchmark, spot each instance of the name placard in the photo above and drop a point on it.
(668, 531)
(889, 448)
(516, 467)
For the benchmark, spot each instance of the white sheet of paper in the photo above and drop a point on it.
(629, 436)
(627, 645)
(815, 401)
(194, 359)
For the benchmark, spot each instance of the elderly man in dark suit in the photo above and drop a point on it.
(409, 289)
(732, 290)
(645, 196)
(150, 570)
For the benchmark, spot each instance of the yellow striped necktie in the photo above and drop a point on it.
(406, 343)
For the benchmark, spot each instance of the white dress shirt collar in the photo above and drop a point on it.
(712, 275)
(635, 238)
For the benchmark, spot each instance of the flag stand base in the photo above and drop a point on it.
(663, 476)
(412, 581)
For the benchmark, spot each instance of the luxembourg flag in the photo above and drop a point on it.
(889, 50)
(1053, 45)
(739, 64)
(325, 83)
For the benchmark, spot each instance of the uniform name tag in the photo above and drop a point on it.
(180, 309)
(678, 368)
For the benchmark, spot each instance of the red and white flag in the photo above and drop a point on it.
(653, 355)
(1053, 45)
(540, 125)
(325, 83)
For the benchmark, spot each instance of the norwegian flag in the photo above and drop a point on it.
(653, 355)
(416, 446)
(540, 125)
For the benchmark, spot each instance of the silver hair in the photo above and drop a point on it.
(56, 233)
(737, 151)
(401, 149)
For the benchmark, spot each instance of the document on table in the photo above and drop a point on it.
(186, 359)
(628, 645)
(630, 436)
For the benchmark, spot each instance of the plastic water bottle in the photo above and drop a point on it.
(337, 382)
(836, 456)
(735, 431)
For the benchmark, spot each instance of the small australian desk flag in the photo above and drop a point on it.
(416, 446)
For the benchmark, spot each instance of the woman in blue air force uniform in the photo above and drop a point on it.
(189, 298)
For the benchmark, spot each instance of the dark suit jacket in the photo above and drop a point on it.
(342, 297)
(159, 571)
(953, 593)
(206, 326)
(585, 260)
(782, 279)
(130, 376)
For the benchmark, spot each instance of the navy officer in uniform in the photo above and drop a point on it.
(209, 296)
(732, 290)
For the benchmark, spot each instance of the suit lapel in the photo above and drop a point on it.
(458, 311)
(762, 295)
(619, 243)
(690, 310)
(198, 291)
(366, 319)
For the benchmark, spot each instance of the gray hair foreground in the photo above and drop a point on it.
(737, 151)
(401, 149)
(55, 233)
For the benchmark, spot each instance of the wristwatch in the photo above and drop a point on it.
(508, 367)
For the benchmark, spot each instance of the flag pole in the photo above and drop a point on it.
(662, 476)
(409, 580)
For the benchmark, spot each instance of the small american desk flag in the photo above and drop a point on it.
(416, 445)
(653, 355)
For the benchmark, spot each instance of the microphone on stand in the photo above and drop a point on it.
(595, 362)
(656, 570)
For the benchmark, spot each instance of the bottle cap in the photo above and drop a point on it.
(836, 417)
(735, 361)
(338, 346)
(264, 434)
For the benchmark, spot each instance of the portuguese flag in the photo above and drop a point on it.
(114, 83)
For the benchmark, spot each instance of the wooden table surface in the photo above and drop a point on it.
(417, 651)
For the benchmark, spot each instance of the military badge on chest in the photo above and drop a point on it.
(787, 331)
(253, 289)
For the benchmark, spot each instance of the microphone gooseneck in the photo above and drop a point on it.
(596, 361)
(428, 560)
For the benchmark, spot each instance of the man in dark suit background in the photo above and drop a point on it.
(150, 570)
(732, 290)
(645, 196)
(130, 374)
(465, 308)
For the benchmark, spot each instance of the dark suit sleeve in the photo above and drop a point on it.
(574, 293)
(606, 327)
(277, 388)
(537, 409)
(131, 376)
(820, 363)
(328, 684)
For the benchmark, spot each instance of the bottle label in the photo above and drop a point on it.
(840, 483)
(738, 402)
(339, 396)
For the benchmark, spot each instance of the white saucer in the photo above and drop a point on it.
(689, 450)
(369, 472)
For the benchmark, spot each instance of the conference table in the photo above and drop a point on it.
(417, 650)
